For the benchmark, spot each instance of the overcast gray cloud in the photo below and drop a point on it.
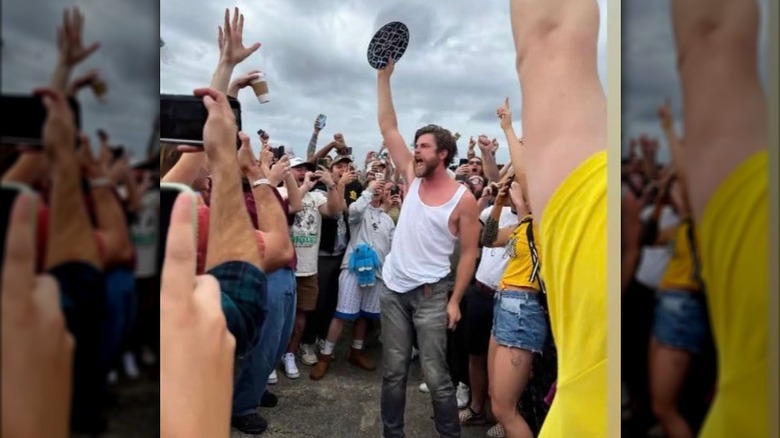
(457, 70)
(649, 69)
(128, 60)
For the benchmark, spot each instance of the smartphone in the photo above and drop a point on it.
(29, 115)
(395, 190)
(117, 152)
(168, 194)
(8, 194)
(261, 133)
(182, 118)
(347, 151)
(321, 119)
(464, 161)
(379, 176)
(279, 153)
(322, 162)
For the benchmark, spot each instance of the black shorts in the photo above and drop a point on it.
(479, 320)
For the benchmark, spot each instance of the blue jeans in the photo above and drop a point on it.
(119, 314)
(519, 320)
(403, 315)
(274, 335)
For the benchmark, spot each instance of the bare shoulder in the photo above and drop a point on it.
(468, 207)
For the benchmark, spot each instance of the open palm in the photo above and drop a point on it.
(231, 44)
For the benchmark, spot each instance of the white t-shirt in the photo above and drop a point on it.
(144, 232)
(306, 232)
(653, 259)
(494, 260)
(369, 225)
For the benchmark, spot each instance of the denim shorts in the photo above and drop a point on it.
(519, 320)
(681, 320)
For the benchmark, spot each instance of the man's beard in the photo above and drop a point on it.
(429, 166)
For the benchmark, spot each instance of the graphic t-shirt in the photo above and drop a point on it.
(306, 233)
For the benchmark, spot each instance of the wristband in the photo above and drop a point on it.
(261, 181)
(100, 182)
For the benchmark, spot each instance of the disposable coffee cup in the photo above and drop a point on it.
(99, 88)
(260, 85)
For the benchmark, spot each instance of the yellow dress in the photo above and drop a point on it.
(733, 240)
(574, 267)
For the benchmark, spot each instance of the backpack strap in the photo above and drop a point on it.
(536, 274)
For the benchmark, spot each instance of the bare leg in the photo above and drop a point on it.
(668, 368)
(300, 325)
(359, 333)
(564, 108)
(511, 370)
(334, 331)
(724, 109)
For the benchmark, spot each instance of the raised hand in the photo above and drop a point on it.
(59, 129)
(325, 177)
(246, 161)
(69, 43)
(37, 350)
(516, 194)
(505, 115)
(220, 130)
(472, 143)
(485, 144)
(387, 72)
(242, 82)
(279, 171)
(231, 44)
(665, 114)
(197, 350)
(463, 170)
(83, 81)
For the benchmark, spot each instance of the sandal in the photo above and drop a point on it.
(470, 418)
(497, 431)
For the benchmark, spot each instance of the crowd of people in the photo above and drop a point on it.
(96, 237)
(446, 261)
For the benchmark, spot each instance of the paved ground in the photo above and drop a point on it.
(345, 404)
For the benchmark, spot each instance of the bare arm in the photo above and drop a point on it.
(70, 235)
(675, 149)
(313, 144)
(71, 50)
(294, 195)
(631, 232)
(388, 125)
(468, 226)
(489, 165)
(232, 50)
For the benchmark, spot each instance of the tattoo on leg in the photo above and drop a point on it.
(489, 232)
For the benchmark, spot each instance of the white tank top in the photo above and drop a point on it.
(422, 244)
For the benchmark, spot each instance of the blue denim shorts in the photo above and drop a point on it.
(519, 320)
(681, 320)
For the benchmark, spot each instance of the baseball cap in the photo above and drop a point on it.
(297, 161)
(340, 158)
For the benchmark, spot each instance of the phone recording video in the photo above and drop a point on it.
(168, 194)
(395, 190)
(29, 115)
(182, 118)
(279, 153)
(347, 151)
(464, 161)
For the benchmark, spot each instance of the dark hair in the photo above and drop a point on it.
(444, 141)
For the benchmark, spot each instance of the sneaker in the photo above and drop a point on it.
(463, 395)
(251, 424)
(273, 379)
(113, 377)
(470, 418)
(131, 368)
(308, 357)
(424, 388)
(290, 368)
(497, 431)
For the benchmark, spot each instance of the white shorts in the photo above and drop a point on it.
(356, 301)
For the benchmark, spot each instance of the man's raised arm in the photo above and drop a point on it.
(388, 124)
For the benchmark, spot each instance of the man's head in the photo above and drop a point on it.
(298, 167)
(434, 147)
(478, 182)
(475, 166)
(339, 165)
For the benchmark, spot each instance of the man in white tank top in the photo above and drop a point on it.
(438, 213)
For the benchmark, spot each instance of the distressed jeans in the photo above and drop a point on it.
(403, 315)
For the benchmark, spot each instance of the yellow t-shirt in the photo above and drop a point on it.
(520, 267)
(680, 273)
(574, 267)
(733, 241)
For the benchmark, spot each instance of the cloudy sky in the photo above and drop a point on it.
(649, 71)
(128, 60)
(458, 68)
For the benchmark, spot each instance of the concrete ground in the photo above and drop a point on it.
(345, 403)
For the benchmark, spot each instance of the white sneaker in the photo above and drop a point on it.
(307, 354)
(113, 377)
(131, 368)
(463, 394)
(273, 378)
(290, 369)
(424, 388)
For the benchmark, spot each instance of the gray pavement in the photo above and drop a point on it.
(345, 403)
